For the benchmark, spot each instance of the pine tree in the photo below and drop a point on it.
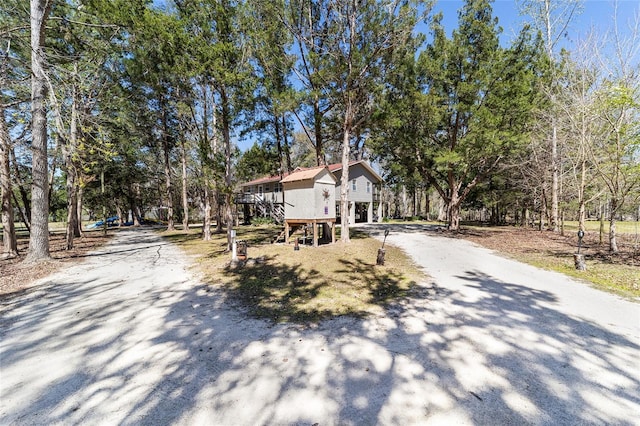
(467, 107)
(39, 236)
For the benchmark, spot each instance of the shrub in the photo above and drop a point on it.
(262, 221)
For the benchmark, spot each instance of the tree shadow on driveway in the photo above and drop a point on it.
(96, 349)
(564, 368)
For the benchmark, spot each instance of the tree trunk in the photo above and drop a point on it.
(226, 134)
(549, 27)
(206, 222)
(71, 187)
(344, 183)
(543, 209)
(427, 205)
(601, 238)
(10, 243)
(23, 214)
(133, 205)
(454, 217)
(39, 237)
(72, 210)
(229, 219)
(137, 221)
(554, 178)
(287, 151)
(453, 211)
(582, 215)
(79, 194)
(104, 206)
(119, 214)
(25, 208)
(278, 137)
(167, 180)
(317, 127)
(414, 202)
(185, 195)
(217, 207)
(52, 169)
(214, 194)
(208, 150)
(613, 243)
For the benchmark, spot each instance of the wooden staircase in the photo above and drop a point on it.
(270, 209)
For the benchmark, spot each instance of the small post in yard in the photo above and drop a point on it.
(241, 250)
(234, 246)
(104, 206)
(578, 259)
(380, 258)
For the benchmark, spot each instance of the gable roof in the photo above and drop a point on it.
(265, 179)
(332, 168)
(301, 174)
(338, 166)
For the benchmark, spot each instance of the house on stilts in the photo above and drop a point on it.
(267, 196)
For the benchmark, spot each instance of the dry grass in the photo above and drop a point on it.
(616, 273)
(16, 276)
(306, 285)
(628, 228)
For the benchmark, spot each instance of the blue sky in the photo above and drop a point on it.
(596, 14)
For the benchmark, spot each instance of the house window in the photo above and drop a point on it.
(260, 189)
(250, 190)
(267, 188)
(353, 185)
(368, 187)
(277, 187)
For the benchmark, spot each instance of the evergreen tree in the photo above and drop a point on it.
(39, 236)
(472, 100)
(365, 37)
(270, 43)
(12, 72)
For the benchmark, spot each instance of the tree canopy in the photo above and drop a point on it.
(135, 108)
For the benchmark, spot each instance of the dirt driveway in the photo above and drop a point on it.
(132, 337)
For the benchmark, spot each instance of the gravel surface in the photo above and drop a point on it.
(131, 336)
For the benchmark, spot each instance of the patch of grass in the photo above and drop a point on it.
(615, 273)
(257, 221)
(622, 227)
(311, 284)
(623, 280)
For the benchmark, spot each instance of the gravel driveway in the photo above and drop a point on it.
(132, 337)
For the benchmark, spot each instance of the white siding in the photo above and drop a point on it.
(361, 176)
(300, 203)
(325, 208)
(305, 199)
(272, 196)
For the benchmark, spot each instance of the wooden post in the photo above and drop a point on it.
(286, 232)
(315, 233)
(578, 260)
